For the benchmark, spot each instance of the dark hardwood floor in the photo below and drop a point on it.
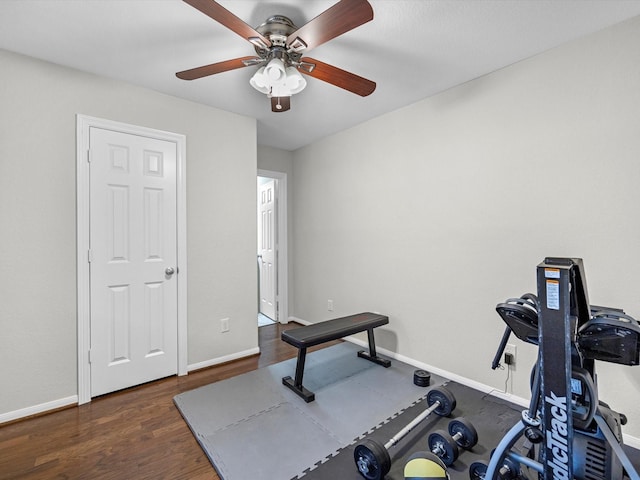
(133, 434)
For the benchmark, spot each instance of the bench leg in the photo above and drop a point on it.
(296, 385)
(371, 355)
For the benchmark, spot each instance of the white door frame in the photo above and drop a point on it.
(282, 264)
(83, 124)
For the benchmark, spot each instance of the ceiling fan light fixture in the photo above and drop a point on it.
(275, 72)
(260, 82)
(295, 82)
(280, 91)
(276, 80)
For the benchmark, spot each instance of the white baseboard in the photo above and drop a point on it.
(37, 409)
(443, 373)
(73, 400)
(300, 321)
(226, 358)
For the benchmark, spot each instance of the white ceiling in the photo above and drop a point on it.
(412, 49)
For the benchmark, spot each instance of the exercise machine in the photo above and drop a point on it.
(567, 432)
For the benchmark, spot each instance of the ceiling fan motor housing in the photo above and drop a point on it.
(277, 29)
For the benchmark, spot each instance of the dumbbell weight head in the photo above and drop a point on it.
(478, 470)
(444, 446)
(446, 399)
(509, 470)
(372, 459)
(463, 432)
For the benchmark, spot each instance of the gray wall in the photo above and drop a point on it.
(39, 102)
(434, 213)
(276, 160)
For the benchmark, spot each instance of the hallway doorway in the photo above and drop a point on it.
(272, 265)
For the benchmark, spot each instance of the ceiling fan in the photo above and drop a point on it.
(280, 45)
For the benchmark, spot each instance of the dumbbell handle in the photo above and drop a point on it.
(401, 434)
(438, 450)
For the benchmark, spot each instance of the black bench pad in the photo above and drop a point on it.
(322, 332)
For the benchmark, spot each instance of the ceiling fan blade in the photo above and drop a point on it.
(342, 17)
(336, 76)
(214, 68)
(280, 104)
(225, 17)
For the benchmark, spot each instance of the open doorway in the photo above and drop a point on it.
(271, 262)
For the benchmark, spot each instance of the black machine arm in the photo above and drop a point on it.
(503, 344)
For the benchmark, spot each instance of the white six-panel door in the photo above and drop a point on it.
(133, 260)
(267, 248)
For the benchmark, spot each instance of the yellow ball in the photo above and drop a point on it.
(425, 465)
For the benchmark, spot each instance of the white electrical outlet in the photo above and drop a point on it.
(224, 325)
(511, 350)
(330, 305)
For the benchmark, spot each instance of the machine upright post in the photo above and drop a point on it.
(556, 333)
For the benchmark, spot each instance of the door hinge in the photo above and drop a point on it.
(89, 256)
(90, 357)
(89, 156)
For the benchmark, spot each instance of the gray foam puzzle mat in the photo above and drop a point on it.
(251, 426)
(240, 421)
(246, 450)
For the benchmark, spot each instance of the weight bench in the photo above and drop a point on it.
(321, 332)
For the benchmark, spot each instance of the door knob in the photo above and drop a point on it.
(169, 271)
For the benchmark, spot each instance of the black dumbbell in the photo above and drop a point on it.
(508, 471)
(478, 470)
(462, 434)
(372, 458)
